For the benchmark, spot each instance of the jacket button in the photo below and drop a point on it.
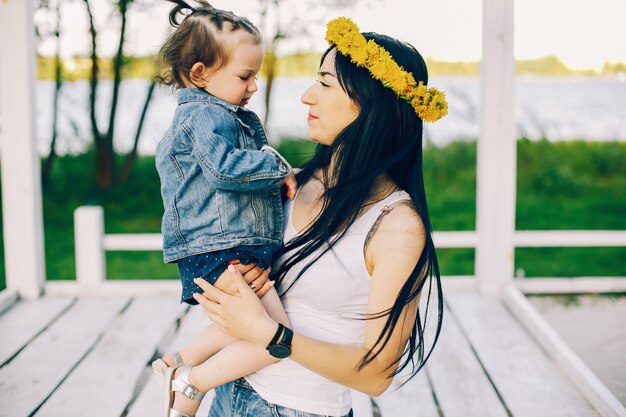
(274, 193)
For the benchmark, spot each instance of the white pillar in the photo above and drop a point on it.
(496, 154)
(88, 238)
(21, 184)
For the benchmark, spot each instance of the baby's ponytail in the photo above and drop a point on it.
(180, 7)
(183, 8)
(197, 38)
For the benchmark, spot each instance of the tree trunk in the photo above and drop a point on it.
(47, 166)
(106, 174)
(104, 157)
(93, 78)
(270, 70)
(130, 158)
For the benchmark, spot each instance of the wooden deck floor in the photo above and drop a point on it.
(90, 357)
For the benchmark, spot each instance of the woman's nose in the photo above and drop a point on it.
(308, 97)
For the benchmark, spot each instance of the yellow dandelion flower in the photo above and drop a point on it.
(428, 115)
(397, 79)
(359, 57)
(378, 70)
(343, 45)
(429, 103)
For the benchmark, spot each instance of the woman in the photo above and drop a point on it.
(358, 247)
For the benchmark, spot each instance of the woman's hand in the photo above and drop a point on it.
(254, 276)
(242, 316)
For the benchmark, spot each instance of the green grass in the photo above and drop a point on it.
(560, 186)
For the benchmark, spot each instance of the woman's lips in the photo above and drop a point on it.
(311, 117)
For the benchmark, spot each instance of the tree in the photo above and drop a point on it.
(42, 33)
(132, 155)
(103, 139)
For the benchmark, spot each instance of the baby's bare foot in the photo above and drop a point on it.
(169, 360)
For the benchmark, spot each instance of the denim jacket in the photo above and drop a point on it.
(220, 180)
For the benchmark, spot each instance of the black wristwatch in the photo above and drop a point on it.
(280, 345)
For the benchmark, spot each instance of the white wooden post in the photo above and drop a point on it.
(496, 153)
(88, 238)
(21, 184)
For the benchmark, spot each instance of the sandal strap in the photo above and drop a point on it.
(177, 359)
(182, 385)
(175, 413)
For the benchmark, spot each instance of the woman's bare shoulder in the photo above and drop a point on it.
(400, 232)
(402, 222)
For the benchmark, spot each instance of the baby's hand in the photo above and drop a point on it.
(292, 185)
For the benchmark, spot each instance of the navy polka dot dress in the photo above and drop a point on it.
(211, 265)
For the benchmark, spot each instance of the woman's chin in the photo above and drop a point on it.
(313, 137)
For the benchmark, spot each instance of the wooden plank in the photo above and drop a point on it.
(458, 283)
(455, 239)
(194, 322)
(22, 217)
(573, 366)
(133, 241)
(578, 285)
(42, 365)
(458, 379)
(496, 150)
(529, 383)
(189, 329)
(415, 399)
(90, 259)
(116, 288)
(148, 403)
(7, 299)
(105, 381)
(569, 238)
(25, 320)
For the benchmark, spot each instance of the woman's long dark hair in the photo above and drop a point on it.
(386, 137)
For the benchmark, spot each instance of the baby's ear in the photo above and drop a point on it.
(199, 74)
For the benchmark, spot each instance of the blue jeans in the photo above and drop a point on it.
(239, 399)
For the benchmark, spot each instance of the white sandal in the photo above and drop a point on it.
(180, 384)
(159, 366)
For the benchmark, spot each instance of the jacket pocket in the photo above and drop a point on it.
(176, 167)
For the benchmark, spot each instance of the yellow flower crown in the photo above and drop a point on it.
(429, 103)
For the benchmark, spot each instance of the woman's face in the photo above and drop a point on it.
(330, 108)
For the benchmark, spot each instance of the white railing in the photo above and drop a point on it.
(92, 243)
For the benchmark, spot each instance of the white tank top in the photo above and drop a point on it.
(326, 304)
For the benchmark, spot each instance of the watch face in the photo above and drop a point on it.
(279, 351)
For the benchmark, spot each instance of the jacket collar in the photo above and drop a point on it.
(186, 95)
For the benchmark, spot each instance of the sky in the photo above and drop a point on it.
(582, 34)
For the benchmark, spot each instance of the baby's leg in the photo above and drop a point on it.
(234, 361)
(205, 345)
(212, 339)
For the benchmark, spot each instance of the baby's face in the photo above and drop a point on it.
(236, 81)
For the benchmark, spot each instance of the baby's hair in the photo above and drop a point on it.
(196, 39)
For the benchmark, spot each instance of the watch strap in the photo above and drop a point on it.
(276, 336)
(287, 335)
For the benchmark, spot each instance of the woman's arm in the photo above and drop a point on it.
(393, 253)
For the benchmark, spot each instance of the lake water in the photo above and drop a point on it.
(556, 108)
